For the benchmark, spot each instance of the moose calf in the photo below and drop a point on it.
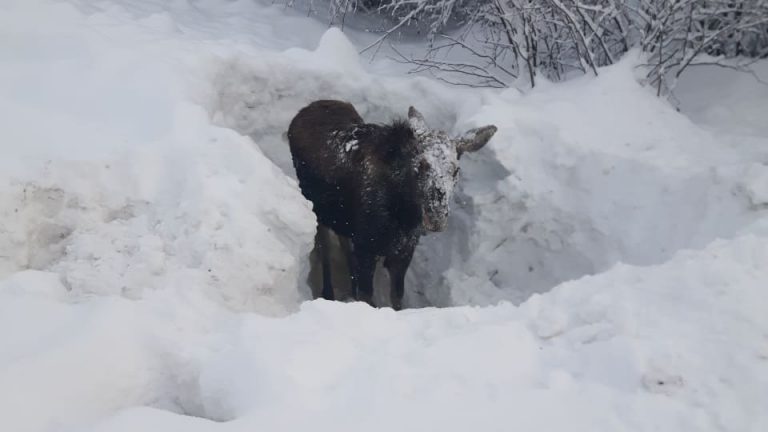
(379, 187)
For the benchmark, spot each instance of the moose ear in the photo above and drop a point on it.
(475, 139)
(416, 119)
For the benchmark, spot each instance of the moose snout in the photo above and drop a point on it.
(432, 225)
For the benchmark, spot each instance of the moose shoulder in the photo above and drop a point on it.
(379, 187)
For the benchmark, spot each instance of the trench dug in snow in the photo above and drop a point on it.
(556, 195)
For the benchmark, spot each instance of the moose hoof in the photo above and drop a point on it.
(328, 295)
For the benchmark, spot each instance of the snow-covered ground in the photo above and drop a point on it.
(606, 262)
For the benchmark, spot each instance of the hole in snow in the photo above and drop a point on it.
(532, 210)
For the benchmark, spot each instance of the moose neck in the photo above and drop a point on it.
(395, 174)
(403, 202)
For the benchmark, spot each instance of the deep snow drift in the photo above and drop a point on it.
(153, 245)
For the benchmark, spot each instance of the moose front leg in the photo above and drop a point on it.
(365, 266)
(349, 254)
(397, 265)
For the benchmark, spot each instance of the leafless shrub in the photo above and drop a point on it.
(491, 43)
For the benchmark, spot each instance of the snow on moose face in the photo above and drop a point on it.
(437, 166)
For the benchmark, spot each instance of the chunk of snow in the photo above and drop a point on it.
(350, 145)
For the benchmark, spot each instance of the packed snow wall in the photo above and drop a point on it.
(119, 183)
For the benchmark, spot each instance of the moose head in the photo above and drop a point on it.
(437, 165)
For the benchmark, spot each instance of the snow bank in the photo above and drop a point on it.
(671, 347)
(117, 180)
(599, 171)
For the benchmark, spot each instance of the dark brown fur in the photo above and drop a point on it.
(362, 181)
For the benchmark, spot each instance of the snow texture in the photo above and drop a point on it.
(605, 258)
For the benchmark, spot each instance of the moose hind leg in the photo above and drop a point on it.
(346, 249)
(323, 244)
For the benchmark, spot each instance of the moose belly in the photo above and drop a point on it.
(331, 203)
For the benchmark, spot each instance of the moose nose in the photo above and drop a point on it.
(431, 225)
(425, 220)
